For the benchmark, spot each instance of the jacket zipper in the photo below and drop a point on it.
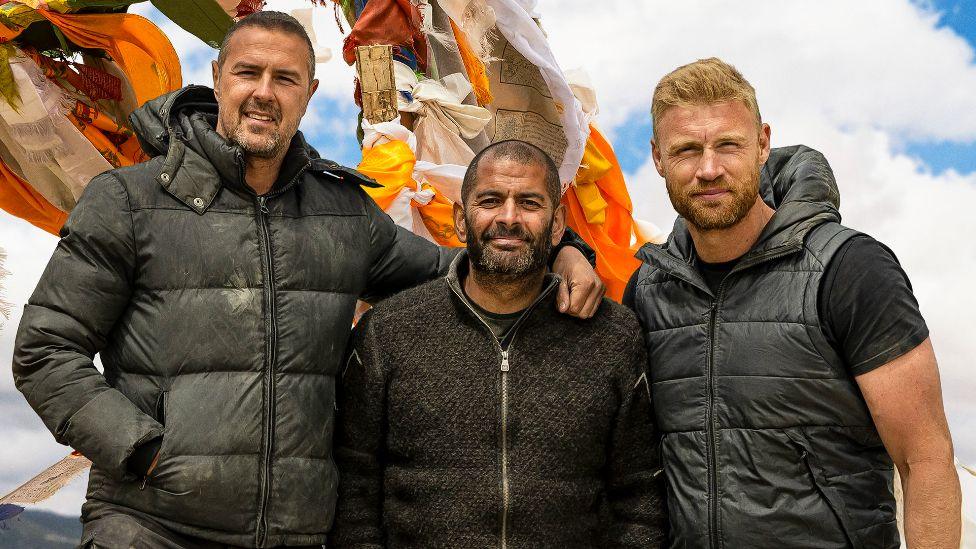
(505, 488)
(270, 347)
(504, 367)
(269, 389)
(710, 423)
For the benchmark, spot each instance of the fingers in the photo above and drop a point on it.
(594, 300)
(562, 298)
(585, 296)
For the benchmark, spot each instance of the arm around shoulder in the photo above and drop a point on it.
(399, 259)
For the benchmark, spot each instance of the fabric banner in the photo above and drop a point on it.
(55, 137)
(443, 120)
(418, 195)
(598, 208)
(532, 100)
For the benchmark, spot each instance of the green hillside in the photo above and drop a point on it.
(40, 530)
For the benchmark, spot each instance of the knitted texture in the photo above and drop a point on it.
(419, 434)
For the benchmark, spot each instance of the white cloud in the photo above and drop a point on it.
(865, 64)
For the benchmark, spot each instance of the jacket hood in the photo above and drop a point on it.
(180, 126)
(154, 122)
(797, 182)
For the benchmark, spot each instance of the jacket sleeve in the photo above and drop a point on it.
(635, 490)
(83, 291)
(572, 240)
(361, 402)
(399, 258)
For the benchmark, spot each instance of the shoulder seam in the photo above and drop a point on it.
(132, 224)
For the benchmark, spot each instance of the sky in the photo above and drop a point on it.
(886, 90)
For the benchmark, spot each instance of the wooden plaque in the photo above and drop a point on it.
(376, 82)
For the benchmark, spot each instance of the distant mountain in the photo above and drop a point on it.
(40, 530)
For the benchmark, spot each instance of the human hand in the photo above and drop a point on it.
(580, 290)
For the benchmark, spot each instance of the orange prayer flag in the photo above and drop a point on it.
(140, 49)
(20, 199)
(611, 237)
(391, 165)
(474, 66)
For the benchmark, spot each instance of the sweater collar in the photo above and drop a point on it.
(459, 270)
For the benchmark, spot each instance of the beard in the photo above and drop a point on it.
(267, 145)
(708, 217)
(509, 265)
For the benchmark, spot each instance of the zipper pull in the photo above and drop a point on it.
(262, 202)
(504, 361)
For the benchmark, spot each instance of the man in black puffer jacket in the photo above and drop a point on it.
(473, 414)
(789, 363)
(218, 281)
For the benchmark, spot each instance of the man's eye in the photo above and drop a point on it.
(489, 202)
(531, 204)
(728, 145)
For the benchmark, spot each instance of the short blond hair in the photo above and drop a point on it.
(703, 82)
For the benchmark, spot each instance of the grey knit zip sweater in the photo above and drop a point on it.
(439, 446)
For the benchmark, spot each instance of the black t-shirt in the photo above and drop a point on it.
(866, 305)
(500, 323)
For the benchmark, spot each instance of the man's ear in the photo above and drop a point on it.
(216, 77)
(656, 155)
(764, 143)
(460, 228)
(311, 91)
(558, 224)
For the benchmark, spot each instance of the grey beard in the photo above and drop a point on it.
(503, 268)
(270, 150)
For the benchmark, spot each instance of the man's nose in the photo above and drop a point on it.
(508, 213)
(264, 89)
(709, 167)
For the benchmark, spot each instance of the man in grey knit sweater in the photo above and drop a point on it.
(472, 413)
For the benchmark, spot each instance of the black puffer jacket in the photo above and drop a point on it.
(767, 439)
(221, 318)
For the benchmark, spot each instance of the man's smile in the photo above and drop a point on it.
(507, 242)
(711, 194)
(259, 118)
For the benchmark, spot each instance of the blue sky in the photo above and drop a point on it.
(960, 16)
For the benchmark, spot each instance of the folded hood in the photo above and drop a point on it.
(154, 122)
(181, 127)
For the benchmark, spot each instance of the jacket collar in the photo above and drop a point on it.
(797, 182)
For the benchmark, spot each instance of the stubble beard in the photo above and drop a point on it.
(268, 146)
(257, 145)
(507, 267)
(710, 218)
